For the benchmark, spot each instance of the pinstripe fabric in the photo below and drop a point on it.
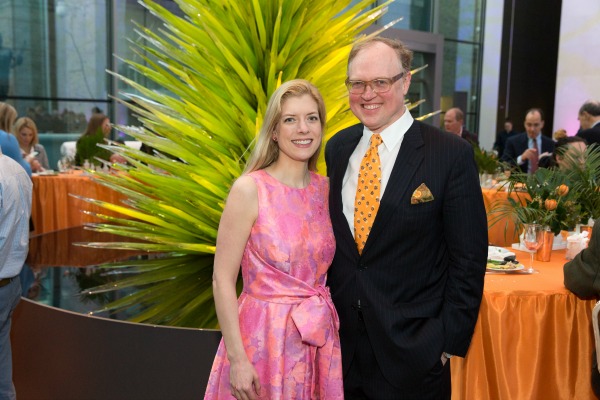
(420, 277)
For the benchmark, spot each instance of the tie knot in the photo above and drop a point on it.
(375, 140)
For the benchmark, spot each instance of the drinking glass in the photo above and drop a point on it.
(533, 236)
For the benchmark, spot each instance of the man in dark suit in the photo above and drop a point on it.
(454, 121)
(581, 278)
(410, 298)
(503, 136)
(529, 145)
(589, 118)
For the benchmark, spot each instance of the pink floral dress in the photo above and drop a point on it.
(288, 323)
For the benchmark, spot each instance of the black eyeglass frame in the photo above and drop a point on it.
(392, 80)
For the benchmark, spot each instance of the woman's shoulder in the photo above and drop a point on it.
(245, 185)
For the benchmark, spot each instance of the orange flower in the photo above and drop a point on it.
(550, 204)
(562, 190)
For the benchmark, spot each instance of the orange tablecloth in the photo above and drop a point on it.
(502, 232)
(53, 208)
(533, 339)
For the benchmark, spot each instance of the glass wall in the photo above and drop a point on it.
(461, 23)
(54, 55)
(60, 54)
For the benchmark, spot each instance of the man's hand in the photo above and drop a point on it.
(529, 154)
(445, 357)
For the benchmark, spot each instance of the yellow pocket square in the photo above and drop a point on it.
(421, 195)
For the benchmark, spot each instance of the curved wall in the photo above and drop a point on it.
(59, 354)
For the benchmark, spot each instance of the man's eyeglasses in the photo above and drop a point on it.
(379, 85)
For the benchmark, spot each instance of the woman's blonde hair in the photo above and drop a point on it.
(266, 150)
(25, 122)
(8, 114)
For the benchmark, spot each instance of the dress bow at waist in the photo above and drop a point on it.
(314, 317)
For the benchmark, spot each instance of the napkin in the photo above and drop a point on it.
(498, 253)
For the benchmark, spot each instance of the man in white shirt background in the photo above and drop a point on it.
(15, 210)
(523, 150)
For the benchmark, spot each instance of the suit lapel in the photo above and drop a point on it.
(408, 161)
(352, 137)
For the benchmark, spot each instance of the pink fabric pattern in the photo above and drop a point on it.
(288, 323)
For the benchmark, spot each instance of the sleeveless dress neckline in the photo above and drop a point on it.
(271, 177)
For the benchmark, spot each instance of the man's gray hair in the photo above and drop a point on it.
(591, 107)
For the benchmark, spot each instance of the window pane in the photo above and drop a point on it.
(461, 72)
(62, 48)
(461, 20)
(416, 14)
(126, 12)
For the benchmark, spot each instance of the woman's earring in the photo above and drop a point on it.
(274, 138)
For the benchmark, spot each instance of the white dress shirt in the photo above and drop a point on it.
(392, 137)
(15, 209)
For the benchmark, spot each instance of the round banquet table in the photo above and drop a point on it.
(533, 339)
(54, 208)
(502, 232)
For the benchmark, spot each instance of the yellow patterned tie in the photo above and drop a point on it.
(368, 189)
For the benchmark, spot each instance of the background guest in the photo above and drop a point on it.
(8, 142)
(98, 129)
(503, 136)
(589, 118)
(582, 277)
(15, 210)
(33, 152)
(454, 120)
(523, 150)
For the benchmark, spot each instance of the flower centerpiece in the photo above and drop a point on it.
(542, 198)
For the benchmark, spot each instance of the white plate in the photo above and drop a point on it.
(498, 253)
(518, 267)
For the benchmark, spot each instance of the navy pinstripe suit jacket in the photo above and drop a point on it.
(420, 277)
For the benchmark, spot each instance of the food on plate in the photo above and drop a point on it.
(502, 265)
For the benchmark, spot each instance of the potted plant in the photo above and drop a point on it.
(542, 198)
(487, 164)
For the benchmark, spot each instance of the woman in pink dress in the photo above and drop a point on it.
(280, 338)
